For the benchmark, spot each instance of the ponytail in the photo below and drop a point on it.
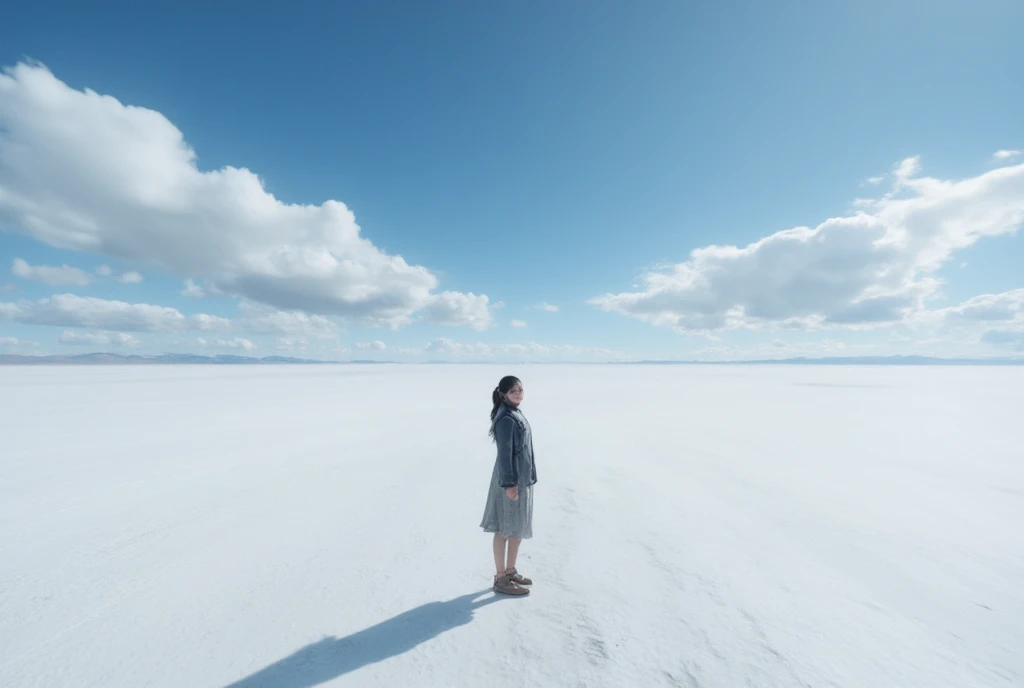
(498, 397)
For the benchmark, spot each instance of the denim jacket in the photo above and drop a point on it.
(514, 437)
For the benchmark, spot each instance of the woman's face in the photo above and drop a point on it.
(515, 395)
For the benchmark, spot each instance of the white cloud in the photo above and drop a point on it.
(292, 344)
(518, 323)
(447, 348)
(1006, 306)
(82, 311)
(69, 310)
(48, 274)
(236, 343)
(125, 339)
(1004, 155)
(208, 323)
(83, 338)
(874, 181)
(376, 345)
(262, 320)
(778, 349)
(867, 269)
(193, 290)
(131, 277)
(547, 307)
(406, 351)
(993, 319)
(456, 308)
(907, 168)
(201, 342)
(82, 171)
(97, 338)
(1010, 339)
(13, 343)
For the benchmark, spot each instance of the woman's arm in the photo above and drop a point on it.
(533, 462)
(503, 437)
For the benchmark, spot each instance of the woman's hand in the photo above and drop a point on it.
(512, 492)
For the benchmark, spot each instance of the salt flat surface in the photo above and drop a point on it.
(289, 527)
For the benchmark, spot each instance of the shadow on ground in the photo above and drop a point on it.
(332, 657)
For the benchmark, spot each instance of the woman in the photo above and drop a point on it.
(509, 510)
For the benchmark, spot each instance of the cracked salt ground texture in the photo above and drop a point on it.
(289, 527)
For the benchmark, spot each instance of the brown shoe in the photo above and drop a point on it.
(504, 585)
(517, 579)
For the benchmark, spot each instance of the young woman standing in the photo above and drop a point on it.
(509, 509)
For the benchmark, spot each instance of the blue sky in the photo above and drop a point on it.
(509, 155)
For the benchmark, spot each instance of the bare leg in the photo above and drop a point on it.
(513, 552)
(499, 553)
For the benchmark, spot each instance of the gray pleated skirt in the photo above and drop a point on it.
(505, 516)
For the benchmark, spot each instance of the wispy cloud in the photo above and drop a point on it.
(530, 351)
(1009, 339)
(119, 339)
(292, 344)
(130, 277)
(375, 345)
(1005, 155)
(70, 310)
(193, 290)
(48, 274)
(518, 323)
(456, 308)
(236, 343)
(260, 319)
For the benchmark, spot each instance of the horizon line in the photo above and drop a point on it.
(171, 358)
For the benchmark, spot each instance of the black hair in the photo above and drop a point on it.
(498, 396)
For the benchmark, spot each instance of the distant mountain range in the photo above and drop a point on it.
(119, 359)
(857, 360)
(195, 359)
